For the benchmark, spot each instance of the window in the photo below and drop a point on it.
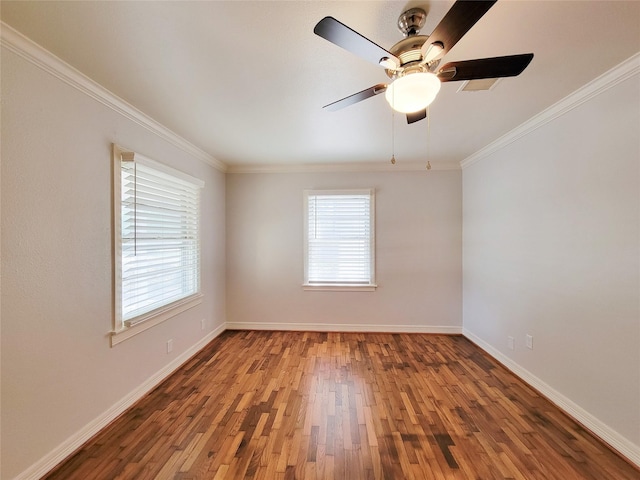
(339, 239)
(157, 242)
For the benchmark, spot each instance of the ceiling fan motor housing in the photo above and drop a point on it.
(408, 50)
(410, 55)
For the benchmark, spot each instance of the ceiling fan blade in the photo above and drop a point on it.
(416, 116)
(356, 97)
(495, 67)
(458, 21)
(338, 33)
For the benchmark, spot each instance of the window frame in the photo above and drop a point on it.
(124, 329)
(336, 286)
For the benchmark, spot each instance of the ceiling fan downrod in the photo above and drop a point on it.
(411, 21)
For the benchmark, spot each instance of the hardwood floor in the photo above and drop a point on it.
(295, 405)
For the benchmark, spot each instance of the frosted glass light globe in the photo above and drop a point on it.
(412, 92)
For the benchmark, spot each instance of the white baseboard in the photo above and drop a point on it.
(57, 455)
(69, 446)
(616, 441)
(340, 327)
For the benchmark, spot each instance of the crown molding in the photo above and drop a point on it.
(352, 167)
(27, 49)
(604, 82)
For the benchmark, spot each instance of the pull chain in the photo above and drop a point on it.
(393, 135)
(428, 138)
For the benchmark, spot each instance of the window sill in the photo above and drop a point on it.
(155, 317)
(336, 287)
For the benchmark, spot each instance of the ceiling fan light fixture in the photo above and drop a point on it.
(432, 52)
(413, 92)
(388, 63)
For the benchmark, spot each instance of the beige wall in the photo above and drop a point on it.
(59, 373)
(418, 253)
(552, 249)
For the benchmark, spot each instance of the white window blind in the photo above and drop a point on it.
(159, 237)
(339, 237)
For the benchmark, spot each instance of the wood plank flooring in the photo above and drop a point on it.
(296, 405)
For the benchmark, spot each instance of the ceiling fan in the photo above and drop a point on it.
(412, 64)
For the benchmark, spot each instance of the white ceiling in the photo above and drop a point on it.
(246, 80)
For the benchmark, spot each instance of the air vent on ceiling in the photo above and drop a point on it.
(478, 85)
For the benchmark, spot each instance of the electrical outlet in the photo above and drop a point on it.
(169, 345)
(511, 343)
(529, 341)
(202, 324)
